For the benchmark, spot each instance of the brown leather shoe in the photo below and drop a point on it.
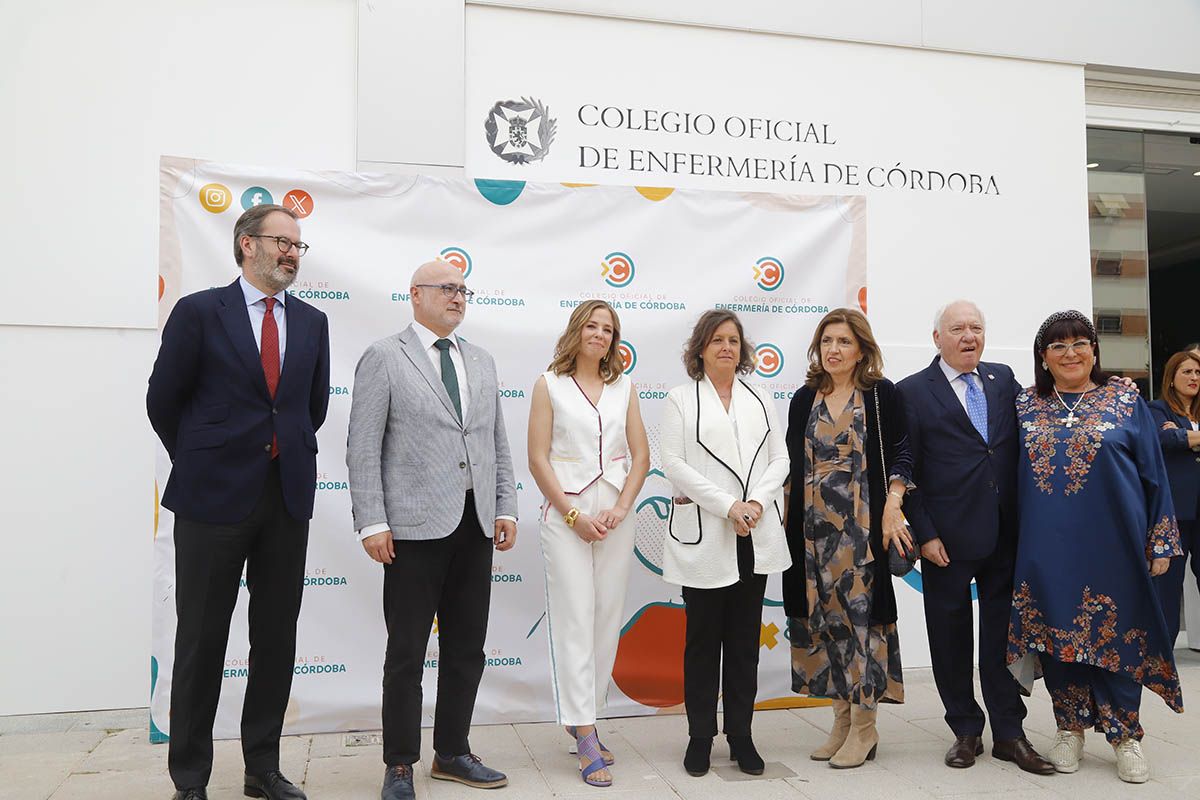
(962, 753)
(1021, 753)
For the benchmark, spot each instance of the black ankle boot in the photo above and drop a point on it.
(696, 759)
(742, 750)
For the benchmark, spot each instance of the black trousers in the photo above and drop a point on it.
(271, 545)
(450, 577)
(1170, 583)
(950, 624)
(727, 623)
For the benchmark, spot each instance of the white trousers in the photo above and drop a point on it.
(585, 598)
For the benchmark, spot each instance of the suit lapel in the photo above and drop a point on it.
(995, 401)
(299, 330)
(236, 320)
(411, 346)
(940, 388)
(472, 379)
(713, 431)
(752, 426)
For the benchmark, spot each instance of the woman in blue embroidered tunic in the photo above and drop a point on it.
(1096, 524)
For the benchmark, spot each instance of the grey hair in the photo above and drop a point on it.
(250, 223)
(941, 312)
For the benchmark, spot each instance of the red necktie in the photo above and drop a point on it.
(269, 352)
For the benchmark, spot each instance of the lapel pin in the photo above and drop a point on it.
(991, 377)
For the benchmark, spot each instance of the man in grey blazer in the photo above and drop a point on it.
(431, 484)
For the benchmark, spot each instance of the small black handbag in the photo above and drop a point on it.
(899, 564)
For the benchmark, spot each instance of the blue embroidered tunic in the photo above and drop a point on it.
(1095, 503)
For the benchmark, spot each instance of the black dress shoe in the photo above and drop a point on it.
(271, 785)
(962, 753)
(1020, 752)
(191, 794)
(742, 750)
(467, 769)
(698, 757)
(398, 783)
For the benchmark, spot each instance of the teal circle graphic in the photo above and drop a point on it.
(624, 348)
(766, 282)
(768, 372)
(255, 196)
(619, 270)
(499, 192)
(459, 258)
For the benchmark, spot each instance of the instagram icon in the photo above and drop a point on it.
(215, 197)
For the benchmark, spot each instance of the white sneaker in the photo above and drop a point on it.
(1065, 752)
(1132, 766)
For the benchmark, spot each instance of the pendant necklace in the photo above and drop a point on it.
(1070, 419)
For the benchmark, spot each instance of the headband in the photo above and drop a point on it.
(1059, 316)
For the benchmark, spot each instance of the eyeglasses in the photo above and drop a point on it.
(448, 289)
(283, 242)
(1083, 346)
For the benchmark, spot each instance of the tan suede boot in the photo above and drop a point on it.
(837, 734)
(862, 741)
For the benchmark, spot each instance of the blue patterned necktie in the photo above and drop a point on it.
(976, 405)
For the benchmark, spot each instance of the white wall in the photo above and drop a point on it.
(1154, 35)
(92, 95)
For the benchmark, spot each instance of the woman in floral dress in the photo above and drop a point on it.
(846, 432)
(1096, 524)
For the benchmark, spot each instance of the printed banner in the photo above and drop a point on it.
(531, 252)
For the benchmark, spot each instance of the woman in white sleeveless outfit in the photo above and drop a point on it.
(589, 456)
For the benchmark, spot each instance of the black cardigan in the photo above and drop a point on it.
(899, 462)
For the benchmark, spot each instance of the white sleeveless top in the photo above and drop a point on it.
(588, 441)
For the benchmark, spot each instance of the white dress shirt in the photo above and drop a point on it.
(959, 386)
(258, 312)
(427, 338)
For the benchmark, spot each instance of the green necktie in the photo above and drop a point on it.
(449, 376)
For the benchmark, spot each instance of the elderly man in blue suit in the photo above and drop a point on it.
(963, 432)
(239, 389)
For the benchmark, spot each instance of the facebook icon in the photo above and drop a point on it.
(255, 196)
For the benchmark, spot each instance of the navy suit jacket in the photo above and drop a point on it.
(208, 402)
(1183, 464)
(966, 487)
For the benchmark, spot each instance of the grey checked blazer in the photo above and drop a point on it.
(407, 451)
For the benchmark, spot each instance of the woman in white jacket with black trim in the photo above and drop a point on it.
(723, 450)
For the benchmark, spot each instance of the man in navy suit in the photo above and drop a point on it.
(963, 433)
(238, 391)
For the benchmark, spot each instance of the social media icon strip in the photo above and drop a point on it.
(215, 197)
(299, 202)
(255, 196)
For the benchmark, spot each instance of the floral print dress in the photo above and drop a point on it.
(1095, 504)
(837, 651)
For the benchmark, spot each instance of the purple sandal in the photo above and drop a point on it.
(589, 748)
(609, 758)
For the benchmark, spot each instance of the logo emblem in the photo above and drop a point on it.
(768, 273)
(458, 257)
(215, 197)
(768, 360)
(628, 355)
(617, 269)
(255, 196)
(298, 202)
(520, 131)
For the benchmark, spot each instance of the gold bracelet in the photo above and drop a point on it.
(571, 516)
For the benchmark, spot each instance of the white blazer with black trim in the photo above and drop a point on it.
(710, 468)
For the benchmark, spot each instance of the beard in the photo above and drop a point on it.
(269, 270)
